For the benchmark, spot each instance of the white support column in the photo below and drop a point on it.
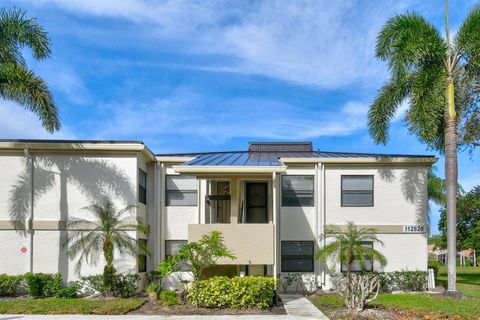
(161, 211)
(234, 204)
(275, 222)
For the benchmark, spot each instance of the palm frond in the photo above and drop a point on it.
(385, 105)
(427, 111)
(17, 31)
(408, 41)
(24, 87)
(467, 40)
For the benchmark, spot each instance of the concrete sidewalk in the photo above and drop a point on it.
(140, 317)
(298, 306)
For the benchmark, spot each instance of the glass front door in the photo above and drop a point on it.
(257, 202)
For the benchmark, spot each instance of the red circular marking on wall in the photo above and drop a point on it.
(23, 249)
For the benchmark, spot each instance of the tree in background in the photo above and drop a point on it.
(106, 233)
(468, 223)
(17, 82)
(440, 80)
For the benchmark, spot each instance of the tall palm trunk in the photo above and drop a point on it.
(451, 166)
(451, 173)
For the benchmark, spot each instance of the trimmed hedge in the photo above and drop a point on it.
(236, 292)
(394, 281)
(43, 284)
(10, 285)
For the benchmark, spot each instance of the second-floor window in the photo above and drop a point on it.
(181, 191)
(173, 246)
(297, 191)
(142, 186)
(357, 191)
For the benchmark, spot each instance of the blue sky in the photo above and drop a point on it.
(212, 75)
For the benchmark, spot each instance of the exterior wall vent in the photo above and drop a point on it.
(280, 146)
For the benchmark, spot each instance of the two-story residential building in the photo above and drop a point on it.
(273, 203)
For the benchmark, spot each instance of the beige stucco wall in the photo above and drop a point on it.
(251, 243)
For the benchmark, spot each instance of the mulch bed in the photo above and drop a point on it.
(154, 308)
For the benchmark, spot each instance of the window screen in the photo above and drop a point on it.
(357, 191)
(356, 264)
(181, 191)
(297, 191)
(142, 187)
(172, 247)
(297, 256)
(142, 257)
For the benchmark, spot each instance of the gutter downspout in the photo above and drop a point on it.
(316, 201)
(29, 222)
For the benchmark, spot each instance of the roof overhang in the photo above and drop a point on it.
(77, 147)
(229, 169)
(359, 160)
(174, 159)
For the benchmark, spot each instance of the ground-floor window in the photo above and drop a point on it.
(297, 256)
(356, 267)
(142, 257)
(172, 247)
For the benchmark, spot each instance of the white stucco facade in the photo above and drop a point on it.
(44, 184)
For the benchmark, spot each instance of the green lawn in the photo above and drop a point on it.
(468, 280)
(70, 306)
(433, 305)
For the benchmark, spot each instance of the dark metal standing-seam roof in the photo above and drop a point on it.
(269, 158)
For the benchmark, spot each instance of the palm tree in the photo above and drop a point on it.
(109, 232)
(432, 74)
(348, 247)
(17, 82)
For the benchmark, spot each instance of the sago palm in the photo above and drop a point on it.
(348, 246)
(17, 82)
(107, 233)
(438, 78)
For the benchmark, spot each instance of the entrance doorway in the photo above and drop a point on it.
(257, 202)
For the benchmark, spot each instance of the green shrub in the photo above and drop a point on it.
(154, 287)
(236, 292)
(168, 298)
(435, 265)
(43, 284)
(409, 280)
(69, 292)
(93, 284)
(10, 285)
(125, 285)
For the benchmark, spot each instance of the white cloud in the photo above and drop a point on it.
(185, 113)
(18, 123)
(325, 44)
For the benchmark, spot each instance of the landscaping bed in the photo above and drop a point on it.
(105, 306)
(157, 308)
